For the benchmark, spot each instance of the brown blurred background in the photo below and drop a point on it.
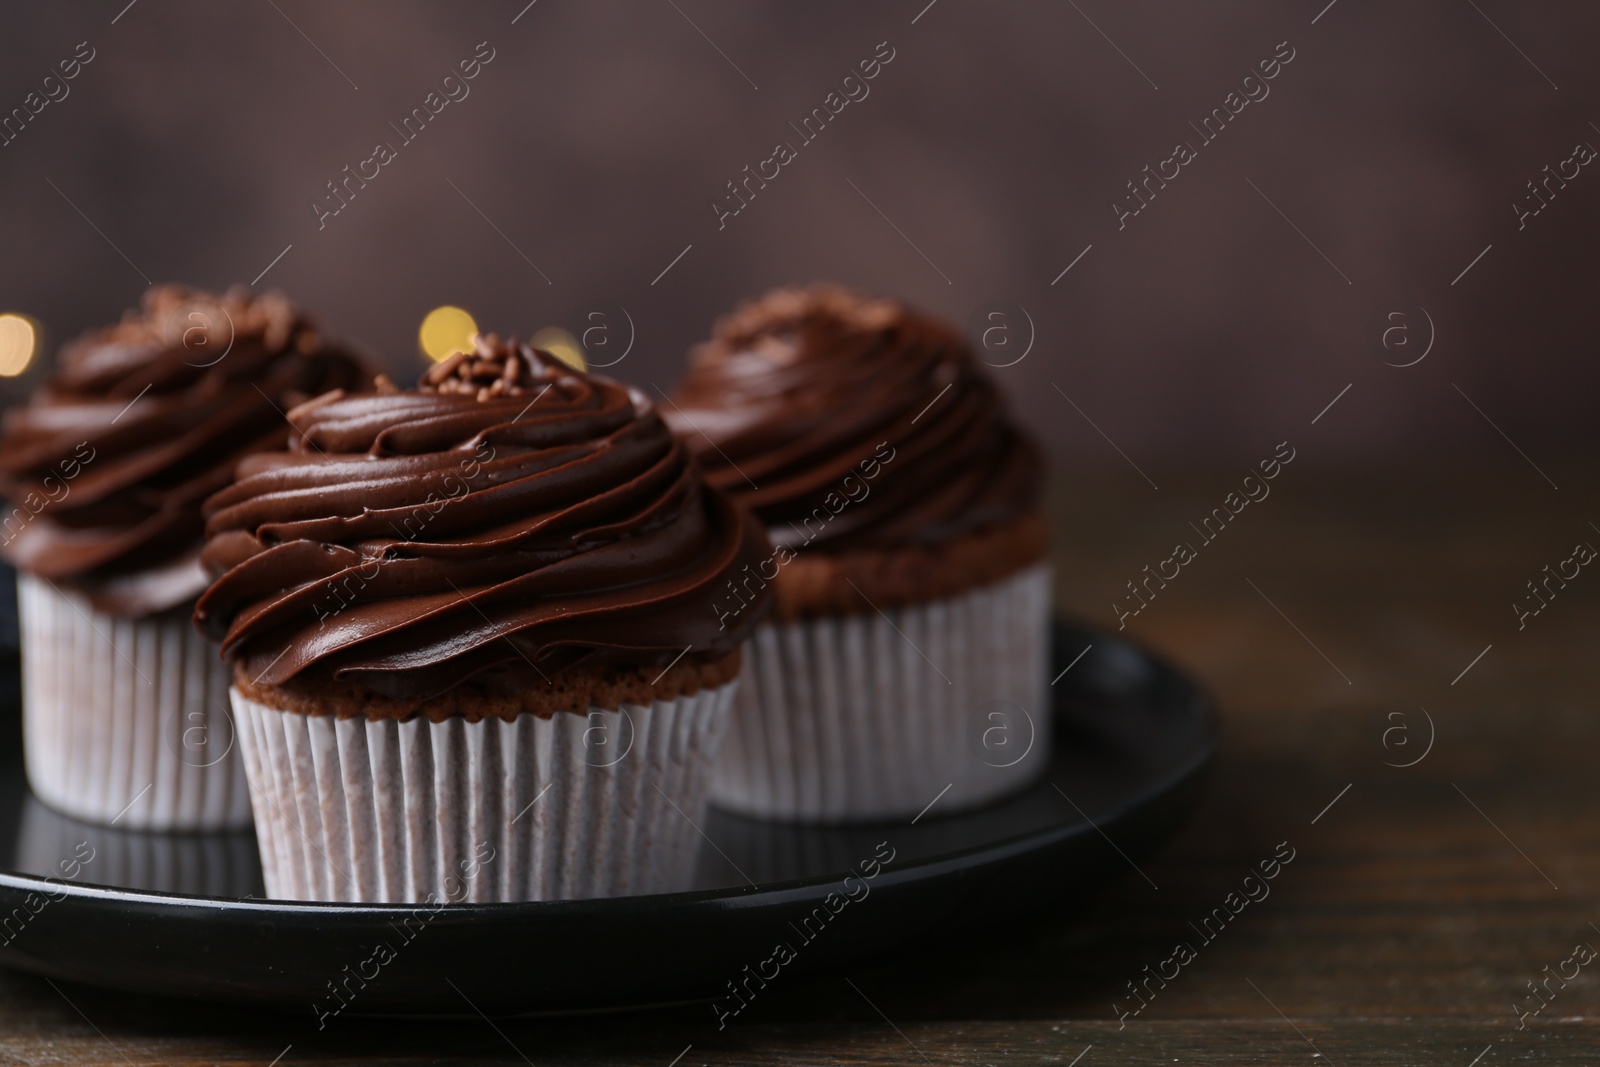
(996, 140)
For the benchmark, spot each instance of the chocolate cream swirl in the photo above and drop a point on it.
(508, 519)
(106, 467)
(799, 397)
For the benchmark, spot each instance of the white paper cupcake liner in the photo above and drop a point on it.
(126, 721)
(573, 806)
(872, 716)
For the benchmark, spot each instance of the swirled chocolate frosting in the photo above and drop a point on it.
(509, 518)
(105, 469)
(848, 422)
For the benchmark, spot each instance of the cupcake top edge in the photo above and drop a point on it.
(107, 464)
(507, 519)
(848, 422)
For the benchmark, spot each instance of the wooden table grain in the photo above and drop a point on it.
(1334, 621)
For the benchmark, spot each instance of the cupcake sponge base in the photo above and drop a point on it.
(125, 721)
(876, 715)
(573, 805)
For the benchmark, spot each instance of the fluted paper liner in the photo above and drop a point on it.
(125, 721)
(872, 716)
(576, 805)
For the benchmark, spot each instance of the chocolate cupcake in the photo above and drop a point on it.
(125, 708)
(473, 645)
(907, 655)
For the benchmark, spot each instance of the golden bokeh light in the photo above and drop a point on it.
(19, 341)
(562, 345)
(446, 331)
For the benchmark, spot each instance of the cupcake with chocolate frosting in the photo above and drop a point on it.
(908, 648)
(471, 632)
(125, 708)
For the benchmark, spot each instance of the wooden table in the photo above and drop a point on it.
(1421, 901)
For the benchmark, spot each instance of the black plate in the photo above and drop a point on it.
(178, 917)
